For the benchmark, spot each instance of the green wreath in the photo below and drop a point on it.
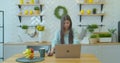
(57, 9)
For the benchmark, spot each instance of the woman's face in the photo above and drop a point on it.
(66, 24)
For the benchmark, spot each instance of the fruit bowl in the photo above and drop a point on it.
(26, 60)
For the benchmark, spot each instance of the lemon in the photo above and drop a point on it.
(31, 12)
(40, 28)
(26, 12)
(88, 12)
(82, 12)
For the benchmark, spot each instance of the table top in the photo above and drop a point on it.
(46, 43)
(85, 58)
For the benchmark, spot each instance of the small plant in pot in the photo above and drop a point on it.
(92, 27)
(94, 38)
(105, 37)
(112, 31)
(37, 10)
(94, 10)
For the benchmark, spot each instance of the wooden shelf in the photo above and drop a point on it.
(23, 15)
(92, 3)
(102, 14)
(30, 4)
(29, 15)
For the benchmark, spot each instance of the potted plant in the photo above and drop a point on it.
(37, 10)
(24, 27)
(114, 35)
(92, 27)
(105, 37)
(94, 39)
(112, 31)
(94, 10)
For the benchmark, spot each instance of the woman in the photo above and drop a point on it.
(66, 35)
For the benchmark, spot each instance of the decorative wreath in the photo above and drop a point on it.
(57, 9)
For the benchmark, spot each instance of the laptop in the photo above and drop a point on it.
(68, 51)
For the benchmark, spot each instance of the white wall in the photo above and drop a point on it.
(111, 10)
(11, 10)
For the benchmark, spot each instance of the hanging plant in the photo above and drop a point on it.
(24, 27)
(57, 11)
(94, 10)
(92, 27)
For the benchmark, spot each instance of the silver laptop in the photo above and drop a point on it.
(67, 51)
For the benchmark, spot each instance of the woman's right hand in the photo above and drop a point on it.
(51, 52)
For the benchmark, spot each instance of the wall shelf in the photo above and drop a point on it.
(41, 5)
(29, 15)
(94, 3)
(22, 15)
(30, 4)
(102, 14)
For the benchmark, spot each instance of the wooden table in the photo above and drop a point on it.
(44, 43)
(85, 58)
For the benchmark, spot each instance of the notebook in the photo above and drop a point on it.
(68, 51)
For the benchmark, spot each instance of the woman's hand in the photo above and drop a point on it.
(51, 52)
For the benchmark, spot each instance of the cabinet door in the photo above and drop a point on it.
(110, 54)
(1, 50)
(0, 60)
(1, 37)
(90, 50)
(1, 18)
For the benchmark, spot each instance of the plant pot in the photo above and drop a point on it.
(94, 11)
(37, 11)
(105, 39)
(93, 40)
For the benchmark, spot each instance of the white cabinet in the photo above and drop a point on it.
(1, 50)
(105, 53)
(110, 54)
(0, 19)
(1, 38)
(1, 34)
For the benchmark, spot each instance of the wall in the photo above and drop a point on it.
(12, 32)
